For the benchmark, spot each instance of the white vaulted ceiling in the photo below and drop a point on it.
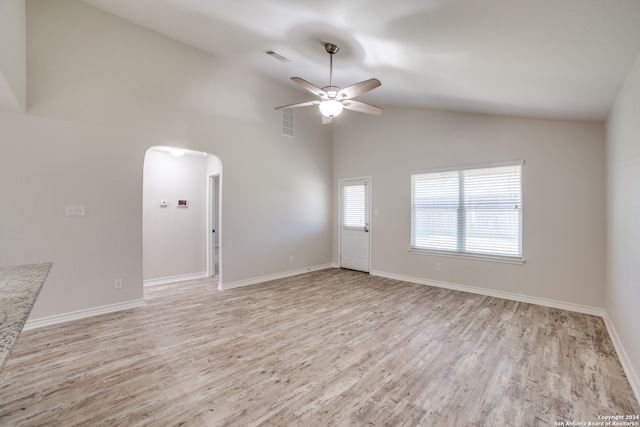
(539, 58)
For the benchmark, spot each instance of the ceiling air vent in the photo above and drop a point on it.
(288, 122)
(276, 55)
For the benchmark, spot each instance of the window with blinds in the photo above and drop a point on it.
(473, 211)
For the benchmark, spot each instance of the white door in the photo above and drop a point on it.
(354, 224)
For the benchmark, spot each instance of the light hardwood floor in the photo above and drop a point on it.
(328, 348)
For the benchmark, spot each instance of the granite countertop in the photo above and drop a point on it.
(19, 288)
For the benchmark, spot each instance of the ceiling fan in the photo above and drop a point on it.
(332, 99)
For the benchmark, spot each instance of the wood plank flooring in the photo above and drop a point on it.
(328, 348)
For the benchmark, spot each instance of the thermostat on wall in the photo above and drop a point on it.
(183, 203)
(164, 203)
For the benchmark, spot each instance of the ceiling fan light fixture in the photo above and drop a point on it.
(332, 99)
(331, 108)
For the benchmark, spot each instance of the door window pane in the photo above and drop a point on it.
(354, 205)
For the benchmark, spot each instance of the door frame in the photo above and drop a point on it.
(368, 184)
(213, 223)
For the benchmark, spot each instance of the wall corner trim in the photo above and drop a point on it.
(632, 375)
(262, 279)
(81, 314)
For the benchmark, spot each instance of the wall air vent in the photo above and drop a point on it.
(276, 55)
(288, 122)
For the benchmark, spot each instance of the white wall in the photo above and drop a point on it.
(174, 238)
(47, 164)
(563, 196)
(101, 92)
(13, 55)
(623, 222)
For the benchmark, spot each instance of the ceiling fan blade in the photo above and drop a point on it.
(358, 89)
(299, 104)
(308, 86)
(361, 107)
(326, 120)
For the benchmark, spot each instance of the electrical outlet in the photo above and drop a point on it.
(118, 284)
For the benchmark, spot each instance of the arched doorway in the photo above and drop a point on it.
(181, 224)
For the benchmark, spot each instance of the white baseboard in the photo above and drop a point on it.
(585, 309)
(632, 376)
(171, 279)
(262, 279)
(81, 314)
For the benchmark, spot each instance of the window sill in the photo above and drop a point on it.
(505, 260)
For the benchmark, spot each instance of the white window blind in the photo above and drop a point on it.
(474, 211)
(353, 205)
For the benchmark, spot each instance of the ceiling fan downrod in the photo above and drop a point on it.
(331, 50)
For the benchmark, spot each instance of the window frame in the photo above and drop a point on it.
(462, 254)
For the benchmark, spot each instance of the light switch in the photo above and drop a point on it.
(75, 210)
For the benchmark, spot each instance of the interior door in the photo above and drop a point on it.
(354, 224)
